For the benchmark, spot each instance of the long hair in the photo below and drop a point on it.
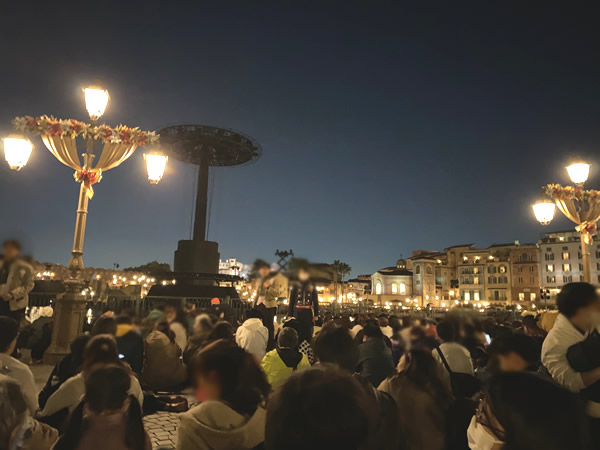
(244, 386)
(164, 327)
(106, 391)
(424, 372)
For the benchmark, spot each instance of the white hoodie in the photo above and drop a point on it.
(253, 336)
(214, 425)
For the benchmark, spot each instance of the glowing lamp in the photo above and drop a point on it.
(578, 172)
(17, 150)
(544, 211)
(96, 100)
(155, 165)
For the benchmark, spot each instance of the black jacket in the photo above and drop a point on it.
(131, 346)
(304, 294)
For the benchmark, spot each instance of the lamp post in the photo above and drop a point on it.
(579, 205)
(59, 137)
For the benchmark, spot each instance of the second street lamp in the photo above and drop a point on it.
(60, 138)
(579, 205)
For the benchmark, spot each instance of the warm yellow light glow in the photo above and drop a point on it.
(17, 150)
(155, 165)
(578, 172)
(96, 100)
(544, 211)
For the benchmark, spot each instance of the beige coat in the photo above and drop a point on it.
(163, 367)
(18, 285)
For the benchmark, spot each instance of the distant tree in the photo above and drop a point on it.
(258, 262)
(341, 269)
(151, 267)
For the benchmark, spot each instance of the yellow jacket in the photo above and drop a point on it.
(277, 370)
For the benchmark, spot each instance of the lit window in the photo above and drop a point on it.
(532, 296)
(565, 255)
(566, 267)
(402, 288)
(467, 296)
(521, 296)
(394, 288)
(502, 269)
(476, 296)
(550, 268)
(378, 288)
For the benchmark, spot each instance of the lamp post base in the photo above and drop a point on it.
(69, 314)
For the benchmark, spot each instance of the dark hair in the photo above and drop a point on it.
(530, 322)
(9, 329)
(107, 389)
(446, 331)
(101, 349)
(254, 313)
(244, 386)
(164, 327)
(288, 338)
(335, 345)
(537, 413)
(574, 296)
(371, 329)
(318, 408)
(104, 325)
(522, 345)
(124, 319)
(425, 373)
(12, 243)
(77, 348)
(221, 330)
(180, 315)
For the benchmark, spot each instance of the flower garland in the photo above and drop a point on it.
(558, 192)
(88, 178)
(74, 128)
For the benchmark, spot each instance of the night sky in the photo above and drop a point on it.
(384, 129)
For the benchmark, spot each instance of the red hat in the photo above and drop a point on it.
(215, 301)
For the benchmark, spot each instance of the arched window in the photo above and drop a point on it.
(502, 269)
(524, 257)
(378, 288)
(492, 269)
(428, 270)
(394, 288)
(402, 288)
(417, 269)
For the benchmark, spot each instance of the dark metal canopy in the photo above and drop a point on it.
(195, 144)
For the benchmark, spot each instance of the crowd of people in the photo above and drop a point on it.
(366, 381)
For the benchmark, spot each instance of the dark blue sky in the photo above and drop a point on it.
(384, 128)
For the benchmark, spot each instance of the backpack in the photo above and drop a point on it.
(463, 385)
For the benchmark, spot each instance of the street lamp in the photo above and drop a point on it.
(60, 138)
(155, 165)
(17, 149)
(579, 205)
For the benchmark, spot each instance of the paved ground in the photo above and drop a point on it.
(162, 426)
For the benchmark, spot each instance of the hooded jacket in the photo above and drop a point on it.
(214, 425)
(163, 368)
(253, 336)
(280, 363)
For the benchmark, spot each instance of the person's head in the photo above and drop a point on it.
(175, 314)
(535, 413)
(318, 408)
(254, 313)
(335, 345)
(9, 331)
(13, 413)
(530, 322)
(288, 338)
(407, 322)
(446, 331)
(11, 249)
(262, 268)
(164, 328)
(225, 372)
(417, 333)
(106, 394)
(303, 274)
(124, 319)
(371, 329)
(101, 349)
(202, 324)
(419, 367)
(513, 353)
(579, 302)
(222, 330)
(383, 321)
(104, 325)
(215, 301)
